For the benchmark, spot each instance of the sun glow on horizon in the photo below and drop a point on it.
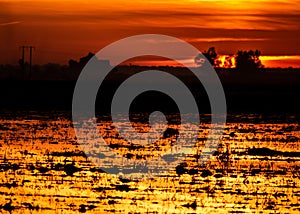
(223, 61)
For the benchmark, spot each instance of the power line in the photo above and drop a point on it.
(22, 61)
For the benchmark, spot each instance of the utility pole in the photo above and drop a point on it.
(22, 62)
(23, 59)
(30, 60)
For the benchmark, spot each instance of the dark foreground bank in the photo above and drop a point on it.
(266, 93)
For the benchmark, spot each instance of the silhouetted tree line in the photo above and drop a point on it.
(248, 60)
(49, 71)
(244, 61)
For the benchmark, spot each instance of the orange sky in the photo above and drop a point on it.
(61, 30)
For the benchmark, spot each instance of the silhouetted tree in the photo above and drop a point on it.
(84, 60)
(211, 55)
(248, 61)
(74, 65)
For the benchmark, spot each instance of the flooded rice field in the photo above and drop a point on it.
(44, 170)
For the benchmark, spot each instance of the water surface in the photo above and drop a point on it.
(43, 170)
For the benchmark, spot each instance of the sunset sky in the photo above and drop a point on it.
(65, 29)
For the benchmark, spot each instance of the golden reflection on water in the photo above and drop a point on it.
(43, 170)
